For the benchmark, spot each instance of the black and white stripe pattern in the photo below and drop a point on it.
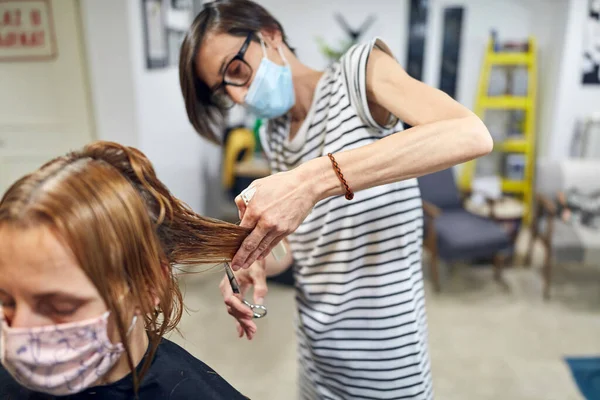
(362, 329)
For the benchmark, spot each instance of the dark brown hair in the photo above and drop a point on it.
(234, 17)
(126, 230)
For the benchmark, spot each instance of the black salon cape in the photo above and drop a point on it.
(174, 375)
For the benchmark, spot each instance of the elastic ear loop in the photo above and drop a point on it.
(262, 45)
(133, 321)
(282, 55)
(264, 49)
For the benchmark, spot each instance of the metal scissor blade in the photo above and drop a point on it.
(258, 311)
(232, 281)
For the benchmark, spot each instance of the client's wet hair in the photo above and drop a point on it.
(126, 230)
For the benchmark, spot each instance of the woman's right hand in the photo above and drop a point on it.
(254, 276)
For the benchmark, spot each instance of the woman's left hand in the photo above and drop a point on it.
(278, 206)
(255, 277)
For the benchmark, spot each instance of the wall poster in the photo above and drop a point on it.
(591, 45)
(26, 31)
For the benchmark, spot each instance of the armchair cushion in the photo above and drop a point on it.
(440, 189)
(465, 236)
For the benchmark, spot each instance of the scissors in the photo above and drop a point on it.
(258, 310)
(278, 252)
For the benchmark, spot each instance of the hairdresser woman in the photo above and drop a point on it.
(343, 193)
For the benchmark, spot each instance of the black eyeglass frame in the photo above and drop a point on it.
(220, 89)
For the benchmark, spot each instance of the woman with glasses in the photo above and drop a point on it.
(343, 194)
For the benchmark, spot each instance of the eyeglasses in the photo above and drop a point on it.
(237, 73)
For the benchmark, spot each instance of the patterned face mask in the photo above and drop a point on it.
(60, 359)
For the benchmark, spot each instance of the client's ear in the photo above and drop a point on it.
(166, 268)
(155, 300)
(152, 301)
(166, 271)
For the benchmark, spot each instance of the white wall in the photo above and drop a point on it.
(559, 43)
(557, 25)
(165, 134)
(549, 26)
(304, 20)
(109, 54)
(573, 100)
(45, 108)
(141, 107)
(513, 20)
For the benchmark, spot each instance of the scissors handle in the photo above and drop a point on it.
(258, 310)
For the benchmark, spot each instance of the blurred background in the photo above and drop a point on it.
(73, 71)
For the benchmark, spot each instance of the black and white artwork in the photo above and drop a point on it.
(181, 4)
(417, 30)
(453, 19)
(155, 34)
(591, 45)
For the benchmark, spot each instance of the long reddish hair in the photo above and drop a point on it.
(126, 230)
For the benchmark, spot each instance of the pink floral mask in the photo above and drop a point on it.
(59, 359)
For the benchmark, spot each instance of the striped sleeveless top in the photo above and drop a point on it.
(361, 324)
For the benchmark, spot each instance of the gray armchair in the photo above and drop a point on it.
(454, 234)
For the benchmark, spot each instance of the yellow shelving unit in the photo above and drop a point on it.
(527, 103)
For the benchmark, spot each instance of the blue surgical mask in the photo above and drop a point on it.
(271, 93)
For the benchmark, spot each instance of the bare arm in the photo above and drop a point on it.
(444, 134)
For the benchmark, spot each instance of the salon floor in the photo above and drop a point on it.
(485, 343)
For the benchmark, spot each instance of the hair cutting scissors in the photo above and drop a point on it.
(279, 251)
(258, 310)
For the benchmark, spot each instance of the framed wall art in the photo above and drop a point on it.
(27, 31)
(155, 34)
(591, 45)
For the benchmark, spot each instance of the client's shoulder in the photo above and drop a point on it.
(189, 376)
(11, 390)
